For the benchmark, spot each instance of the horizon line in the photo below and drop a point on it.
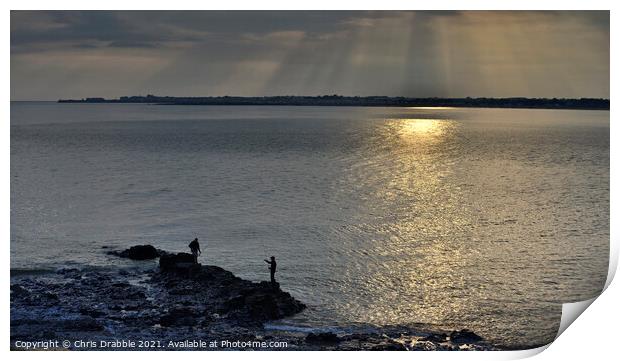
(303, 96)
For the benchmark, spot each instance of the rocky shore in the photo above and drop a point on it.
(181, 306)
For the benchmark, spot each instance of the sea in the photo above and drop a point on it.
(445, 218)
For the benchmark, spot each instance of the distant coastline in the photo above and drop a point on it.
(367, 101)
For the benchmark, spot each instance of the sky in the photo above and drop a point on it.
(77, 54)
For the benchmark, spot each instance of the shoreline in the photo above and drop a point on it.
(184, 302)
(327, 106)
(356, 101)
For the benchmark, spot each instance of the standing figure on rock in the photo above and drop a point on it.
(194, 246)
(272, 269)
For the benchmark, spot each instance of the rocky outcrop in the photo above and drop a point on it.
(182, 301)
(178, 262)
(142, 252)
(223, 293)
(322, 338)
(464, 336)
(182, 316)
(74, 304)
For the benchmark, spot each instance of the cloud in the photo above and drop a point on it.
(422, 53)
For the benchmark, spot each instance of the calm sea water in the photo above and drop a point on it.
(486, 219)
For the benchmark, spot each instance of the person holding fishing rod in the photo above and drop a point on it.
(194, 246)
(272, 270)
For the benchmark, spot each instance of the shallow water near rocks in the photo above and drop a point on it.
(486, 219)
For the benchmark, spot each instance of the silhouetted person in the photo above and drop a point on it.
(194, 246)
(272, 269)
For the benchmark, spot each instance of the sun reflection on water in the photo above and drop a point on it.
(411, 211)
(430, 128)
(431, 108)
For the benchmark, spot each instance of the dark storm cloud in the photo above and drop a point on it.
(429, 53)
(159, 27)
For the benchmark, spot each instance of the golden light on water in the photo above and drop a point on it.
(418, 147)
(407, 182)
(421, 126)
(420, 129)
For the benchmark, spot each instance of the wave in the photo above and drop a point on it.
(68, 266)
(298, 329)
(340, 329)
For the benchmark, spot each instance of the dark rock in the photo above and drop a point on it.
(79, 303)
(239, 301)
(232, 304)
(179, 317)
(181, 291)
(82, 324)
(19, 291)
(259, 303)
(122, 291)
(323, 337)
(49, 296)
(389, 346)
(41, 299)
(464, 336)
(435, 338)
(171, 262)
(92, 312)
(187, 269)
(142, 252)
(288, 305)
(263, 306)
